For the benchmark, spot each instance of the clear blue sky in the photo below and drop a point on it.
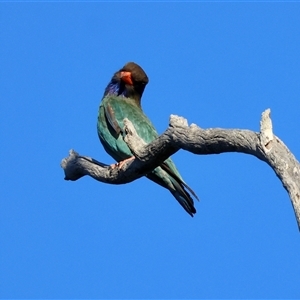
(216, 64)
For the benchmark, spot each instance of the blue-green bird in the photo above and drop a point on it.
(122, 99)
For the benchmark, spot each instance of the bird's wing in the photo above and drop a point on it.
(110, 116)
(119, 108)
(112, 112)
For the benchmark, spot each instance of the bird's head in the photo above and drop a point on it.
(130, 81)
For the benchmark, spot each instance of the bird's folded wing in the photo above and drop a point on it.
(110, 116)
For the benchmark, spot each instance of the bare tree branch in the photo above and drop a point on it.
(264, 145)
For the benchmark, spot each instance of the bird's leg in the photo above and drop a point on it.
(121, 163)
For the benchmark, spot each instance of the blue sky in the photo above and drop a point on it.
(216, 64)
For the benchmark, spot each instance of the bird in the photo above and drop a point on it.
(122, 99)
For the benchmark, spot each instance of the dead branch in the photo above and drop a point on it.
(264, 145)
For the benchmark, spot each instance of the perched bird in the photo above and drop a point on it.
(122, 99)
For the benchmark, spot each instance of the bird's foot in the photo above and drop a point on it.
(121, 163)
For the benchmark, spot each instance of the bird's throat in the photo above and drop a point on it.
(114, 88)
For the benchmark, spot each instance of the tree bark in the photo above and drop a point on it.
(264, 145)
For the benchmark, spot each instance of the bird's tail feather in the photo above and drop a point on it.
(176, 186)
(183, 197)
(165, 167)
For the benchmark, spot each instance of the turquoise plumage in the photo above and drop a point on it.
(122, 99)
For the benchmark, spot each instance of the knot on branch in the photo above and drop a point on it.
(177, 121)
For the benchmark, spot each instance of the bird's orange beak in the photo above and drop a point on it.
(126, 77)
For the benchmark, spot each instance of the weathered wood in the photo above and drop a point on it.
(264, 145)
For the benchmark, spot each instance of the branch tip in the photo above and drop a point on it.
(266, 129)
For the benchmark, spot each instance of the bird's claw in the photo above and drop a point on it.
(121, 163)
